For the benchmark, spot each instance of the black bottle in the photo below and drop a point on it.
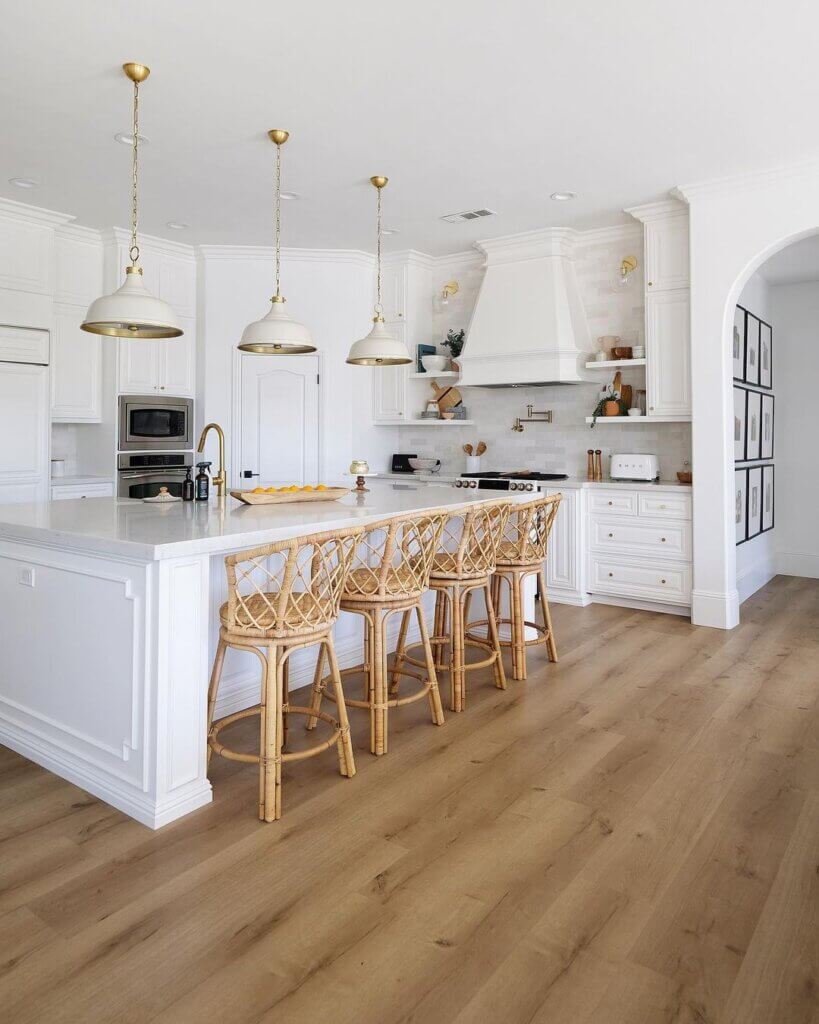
(187, 486)
(202, 481)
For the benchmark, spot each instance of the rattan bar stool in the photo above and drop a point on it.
(389, 574)
(463, 564)
(282, 598)
(522, 552)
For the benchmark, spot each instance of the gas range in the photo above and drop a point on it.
(519, 480)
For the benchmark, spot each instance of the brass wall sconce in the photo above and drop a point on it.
(450, 288)
(627, 267)
(532, 416)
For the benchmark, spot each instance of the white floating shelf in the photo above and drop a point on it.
(620, 420)
(614, 364)
(425, 423)
(444, 375)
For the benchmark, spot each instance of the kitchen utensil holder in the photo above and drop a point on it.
(473, 463)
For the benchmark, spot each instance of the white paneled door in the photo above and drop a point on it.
(279, 411)
(24, 427)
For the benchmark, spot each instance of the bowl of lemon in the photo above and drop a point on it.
(289, 494)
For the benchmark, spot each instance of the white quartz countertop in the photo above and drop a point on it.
(572, 482)
(148, 532)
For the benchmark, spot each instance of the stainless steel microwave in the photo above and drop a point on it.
(149, 423)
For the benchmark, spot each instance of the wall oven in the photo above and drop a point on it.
(149, 423)
(141, 476)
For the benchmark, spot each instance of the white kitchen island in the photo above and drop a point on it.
(109, 620)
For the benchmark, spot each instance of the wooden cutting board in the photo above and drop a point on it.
(626, 393)
(286, 497)
(447, 398)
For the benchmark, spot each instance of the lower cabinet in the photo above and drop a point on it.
(64, 492)
(640, 545)
(564, 562)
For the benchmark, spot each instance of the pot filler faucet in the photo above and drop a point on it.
(221, 477)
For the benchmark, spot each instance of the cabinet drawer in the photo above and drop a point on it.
(616, 503)
(88, 491)
(664, 506)
(635, 536)
(646, 580)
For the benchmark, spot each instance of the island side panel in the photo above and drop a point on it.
(73, 682)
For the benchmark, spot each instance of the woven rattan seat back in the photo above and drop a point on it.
(393, 559)
(469, 541)
(289, 588)
(526, 534)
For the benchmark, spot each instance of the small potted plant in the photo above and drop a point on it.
(611, 404)
(454, 341)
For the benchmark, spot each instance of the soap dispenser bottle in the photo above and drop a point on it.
(187, 486)
(202, 481)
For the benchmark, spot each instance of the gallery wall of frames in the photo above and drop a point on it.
(754, 406)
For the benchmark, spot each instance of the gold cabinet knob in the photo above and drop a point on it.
(611, 574)
(662, 539)
(611, 503)
(611, 535)
(662, 581)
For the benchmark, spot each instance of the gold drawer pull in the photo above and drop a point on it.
(611, 574)
(662, 539)
(611, 503)
(662, 581)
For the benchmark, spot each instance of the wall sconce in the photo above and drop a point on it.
(627, 267)
(450, 288)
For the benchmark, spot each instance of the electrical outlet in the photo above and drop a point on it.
(26, 578)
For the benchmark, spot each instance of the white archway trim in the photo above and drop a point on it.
(735, 224)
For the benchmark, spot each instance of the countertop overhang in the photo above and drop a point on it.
(124, 528)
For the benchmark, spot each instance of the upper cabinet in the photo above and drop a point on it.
(394, 292)
(667, 308)
(165, 366)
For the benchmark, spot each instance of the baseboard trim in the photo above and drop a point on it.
(754, 577)
(715, 609)
(643, 606)
(798, 563)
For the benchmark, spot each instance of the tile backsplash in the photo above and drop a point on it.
(559, 446)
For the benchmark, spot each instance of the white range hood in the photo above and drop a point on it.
(529, 325)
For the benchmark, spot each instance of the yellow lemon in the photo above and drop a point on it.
(270, 490)
(257, 490)
(321, 487)
(307, 487)
(293, 487)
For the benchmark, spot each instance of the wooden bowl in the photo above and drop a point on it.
(621, 352)
(684, 478)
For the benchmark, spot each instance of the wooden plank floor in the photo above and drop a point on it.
(629, 836)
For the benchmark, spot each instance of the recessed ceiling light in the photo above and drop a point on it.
(177, 225)
(127, 138)
(290, 195)
(390, 231)
(24, 182)
(563, 197)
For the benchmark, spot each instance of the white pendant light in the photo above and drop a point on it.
(379, 347)
(131, 311)
(277, 334)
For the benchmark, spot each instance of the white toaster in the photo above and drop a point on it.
(634, 467)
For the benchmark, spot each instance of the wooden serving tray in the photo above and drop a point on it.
(284, 497)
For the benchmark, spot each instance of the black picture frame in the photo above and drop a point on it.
(738, 346)
(740, 505)
(765, 355)
(752, 324)
(421, 351)
(754, 501)
(753, 426)
(740, 422)
(767, 427)
(768, 497)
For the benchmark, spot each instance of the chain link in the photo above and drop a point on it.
(278, 212)
(378, 307)
(134, 250)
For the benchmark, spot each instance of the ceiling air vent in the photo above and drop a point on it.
(455, 218)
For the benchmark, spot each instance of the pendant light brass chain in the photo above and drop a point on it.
(278, 212)
(378, 307)
(134, 250)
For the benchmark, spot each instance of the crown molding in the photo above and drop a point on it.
(616, 233)
(267, 252)
(13, 210)
(412, 257)
(661, 210)
(121, 236)
(471, 257)
(78, 233)
(528, 245)
(748, 182)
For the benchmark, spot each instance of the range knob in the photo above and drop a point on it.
(530, 487)
(513, 486)
(458, 483)
(473, 483)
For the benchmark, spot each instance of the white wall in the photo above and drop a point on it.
(756, 558)
(331, 292)
(795, 317)
(562, 445)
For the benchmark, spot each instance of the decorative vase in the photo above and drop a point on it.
(611, 409)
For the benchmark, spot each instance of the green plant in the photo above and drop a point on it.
(455, 342)
(610, 396)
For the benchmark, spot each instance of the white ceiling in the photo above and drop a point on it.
(463, 103)
(797, 263)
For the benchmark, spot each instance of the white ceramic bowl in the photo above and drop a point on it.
(424, 465)
(635, 411)
(434, 364)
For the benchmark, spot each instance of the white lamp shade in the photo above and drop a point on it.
(131, 312)
(276, 334)
(379, 348)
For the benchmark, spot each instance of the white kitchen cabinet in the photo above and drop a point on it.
(165, 365)
(24, 426)
(76, 368)
(564, 561)
(668, 353)
(65, 492)
(394, 292)
(666, 252)
(390, 387)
